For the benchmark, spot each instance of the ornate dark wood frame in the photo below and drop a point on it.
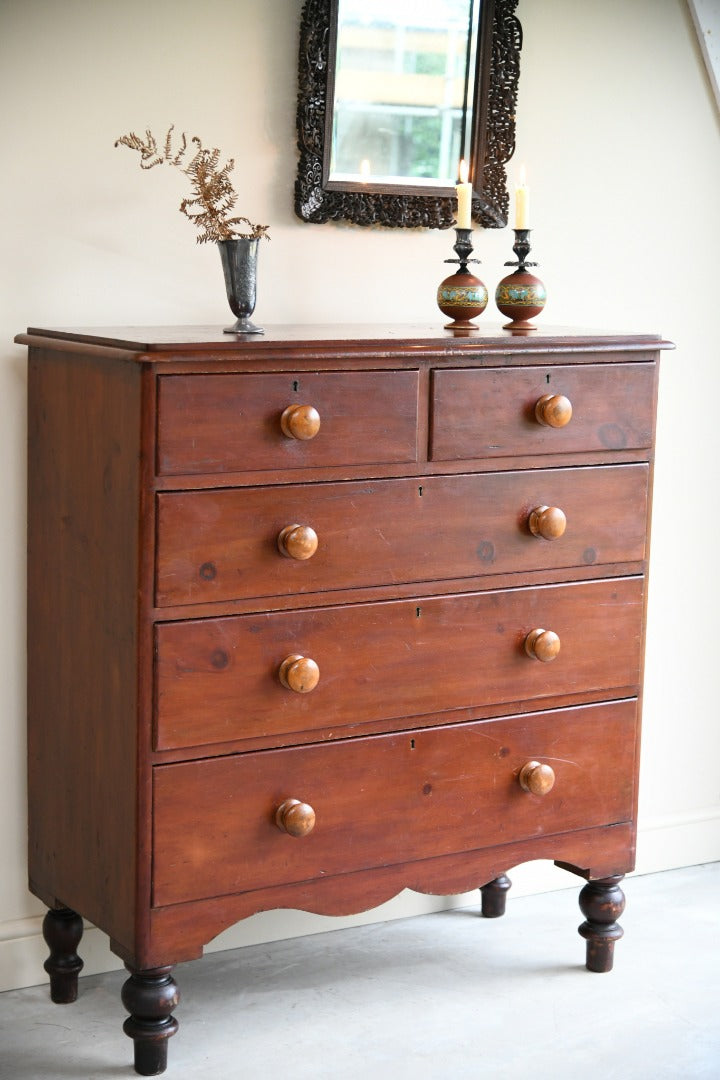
(493, 136)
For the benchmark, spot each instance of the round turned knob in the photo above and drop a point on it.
(553, 410)
(300, 422)
(299, 673)
(295, 818)
(298, 542)
(536, 778)
(543, 645)
(547, 522)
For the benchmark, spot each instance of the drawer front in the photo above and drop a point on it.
(232, 423)
(387, 799)
(218, 679)
(491, 412)
(223, 545)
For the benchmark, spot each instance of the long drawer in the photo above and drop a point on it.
(219, 679)
(233, 423)
(223, 544)
(490, 413)
(387, 799)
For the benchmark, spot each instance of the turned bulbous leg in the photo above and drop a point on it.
(602, 903)
(494, 896)
(62, 930)
(149, 997)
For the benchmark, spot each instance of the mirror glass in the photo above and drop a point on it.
(403, 91)
(392, 94)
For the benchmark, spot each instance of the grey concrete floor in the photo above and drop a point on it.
(449, 995)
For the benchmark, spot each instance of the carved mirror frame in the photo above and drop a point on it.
(493, 137)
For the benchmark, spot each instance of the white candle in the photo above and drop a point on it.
(464, 198)
(522, 202)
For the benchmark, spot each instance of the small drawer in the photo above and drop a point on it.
(493, 412)
(239, 543)
(453, 789)
(271, 674)
(234, 423)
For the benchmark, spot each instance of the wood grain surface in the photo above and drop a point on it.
(387, 799)
(223, 544)
(217, 679)
(490, 413)
(225, 423)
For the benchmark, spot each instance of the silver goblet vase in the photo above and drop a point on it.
(239, 262)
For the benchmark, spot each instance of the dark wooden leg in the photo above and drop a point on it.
(149, 997)
(601, 902)
(494, 895)
(62, 930)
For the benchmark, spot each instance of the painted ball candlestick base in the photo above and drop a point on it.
(520, 296)
(462, 296)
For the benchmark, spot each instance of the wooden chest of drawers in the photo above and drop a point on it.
(324, 615)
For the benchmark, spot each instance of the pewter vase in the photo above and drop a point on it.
(239, 262)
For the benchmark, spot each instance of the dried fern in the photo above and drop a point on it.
(213, 196)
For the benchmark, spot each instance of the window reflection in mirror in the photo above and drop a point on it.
(403, 91)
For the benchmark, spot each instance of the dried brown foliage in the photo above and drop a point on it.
(213, 196)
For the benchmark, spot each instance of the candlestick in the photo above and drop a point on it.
(520, 295)
(522, 202)
(464, 198)
(462, 296)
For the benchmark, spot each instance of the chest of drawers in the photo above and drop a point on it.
(322, 616)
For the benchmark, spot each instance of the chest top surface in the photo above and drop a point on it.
(163, 343)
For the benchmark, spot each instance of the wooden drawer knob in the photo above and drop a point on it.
(536, 778)
(547, 522)
(553, 410)
(295, 818)
(298, 542)
(543, 645)
(299, 673)
(300, 422)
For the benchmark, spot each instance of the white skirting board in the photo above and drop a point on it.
(663, 844)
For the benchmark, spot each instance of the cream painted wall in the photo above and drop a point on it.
(619, 130)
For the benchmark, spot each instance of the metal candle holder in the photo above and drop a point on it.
(462, 296)
(520, 296)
